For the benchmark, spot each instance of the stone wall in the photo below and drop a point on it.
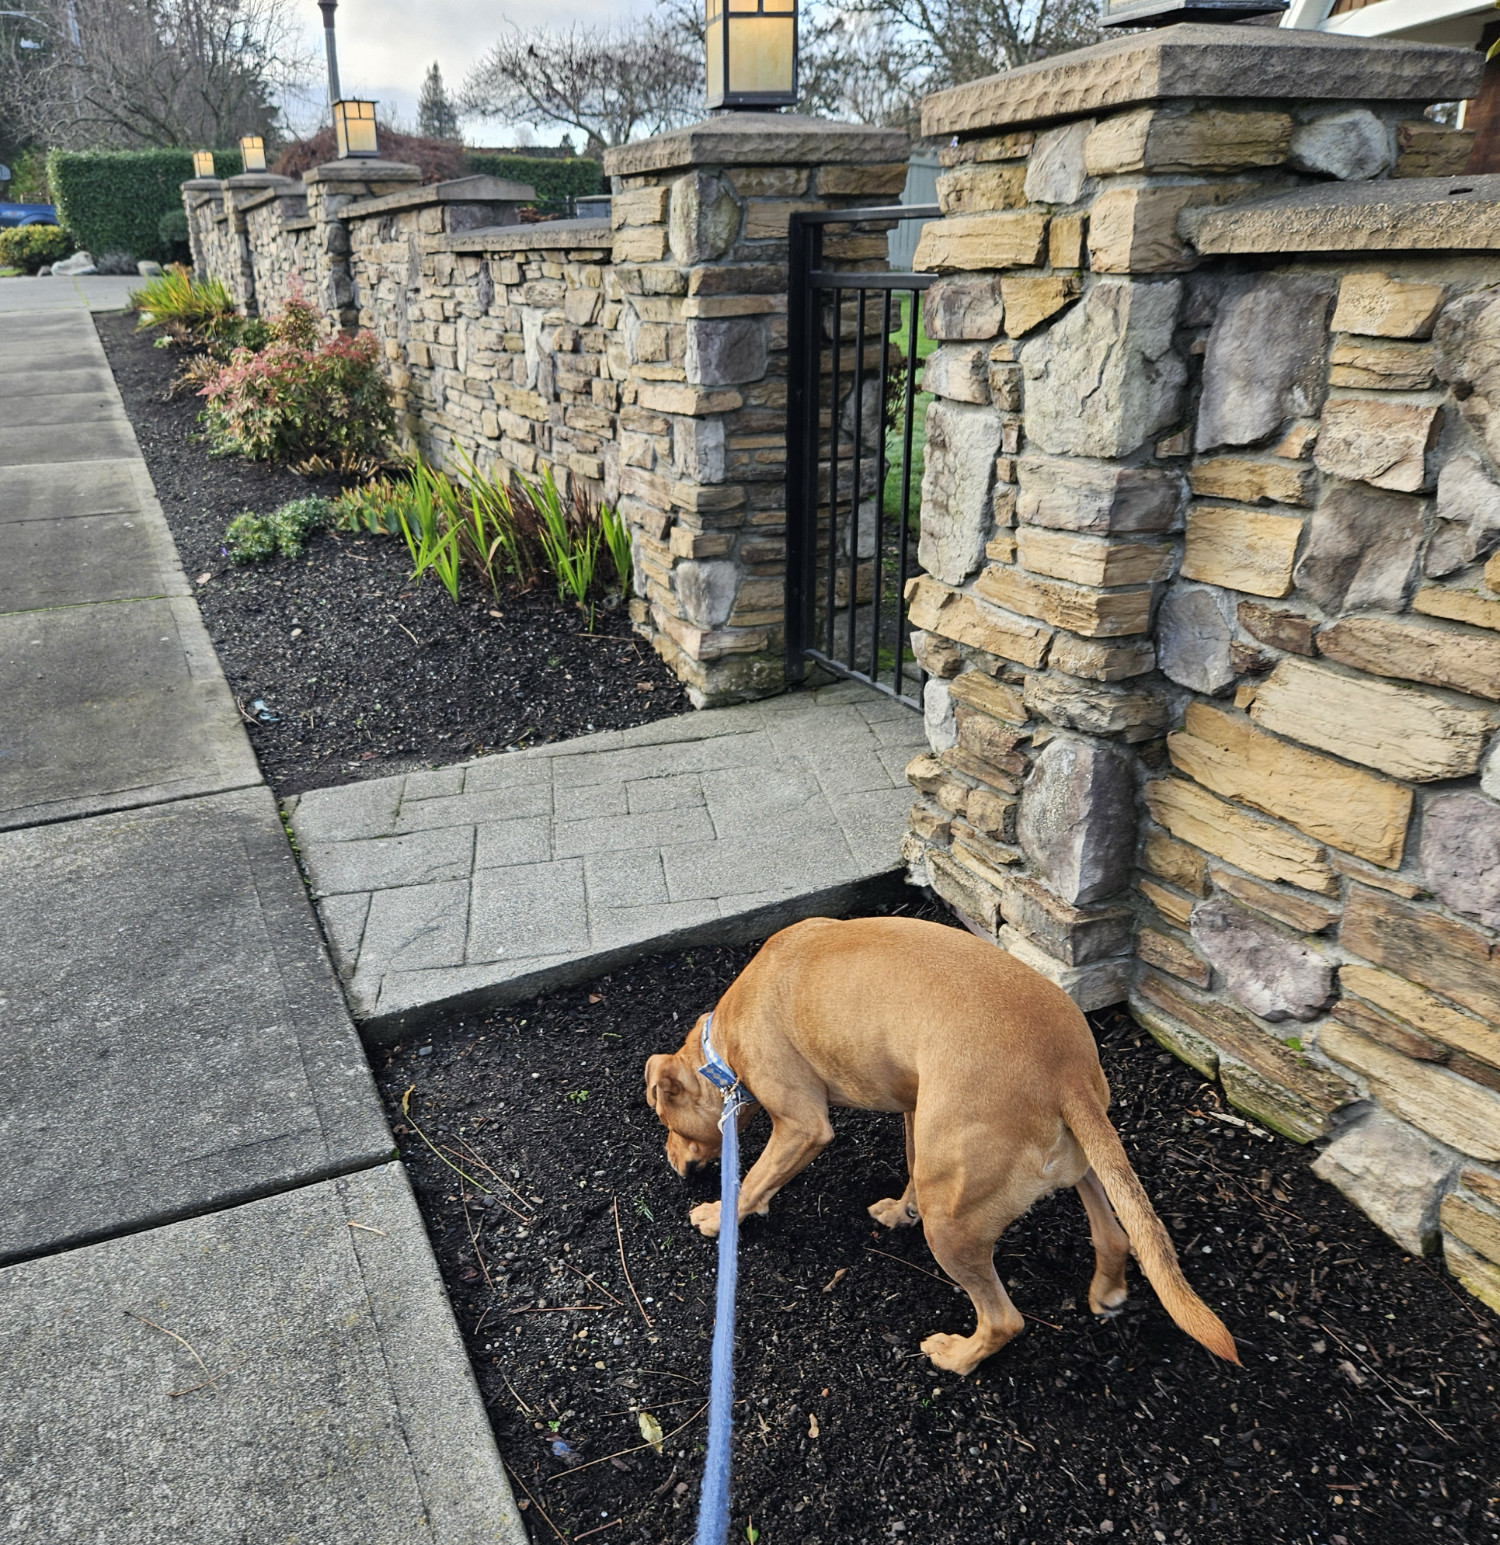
(1210, 607)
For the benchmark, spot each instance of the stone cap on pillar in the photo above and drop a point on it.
(759, 139)
(203, 185)
(251, 180)
(1404, 214)
(1196, 59)
(358, 169)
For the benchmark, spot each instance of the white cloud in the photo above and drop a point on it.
(386, 46)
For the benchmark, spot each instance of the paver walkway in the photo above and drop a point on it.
(514, 873)
(67, 292)
(176, 1047)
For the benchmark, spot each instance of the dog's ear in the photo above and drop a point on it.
(662, 1080)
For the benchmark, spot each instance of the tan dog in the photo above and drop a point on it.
(995, 1071)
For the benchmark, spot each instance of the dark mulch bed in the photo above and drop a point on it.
(383, 675)
(1365, 1411)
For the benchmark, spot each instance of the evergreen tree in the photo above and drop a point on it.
(437, 118)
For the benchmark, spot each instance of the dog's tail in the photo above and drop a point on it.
(1148, 1235)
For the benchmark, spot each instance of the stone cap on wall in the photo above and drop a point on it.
(209, 187)
(288, 189)
(366, 170)
(759, 139)
(457, 190)
(1408, 214)
(1196, 59)
(528, 238)
(259, 180)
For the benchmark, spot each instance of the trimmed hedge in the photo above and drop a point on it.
(27, 247)
(114, 200)
(554, 181)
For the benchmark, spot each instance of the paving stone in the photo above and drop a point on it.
(383, 863)
(532, 909)
(146, 1080)
(707, 828)
(87, 488)
(67, 562)
(21, 384)
(114, 706)
(47, 444)
(435, 784)
(345, 1410)
(58, 408)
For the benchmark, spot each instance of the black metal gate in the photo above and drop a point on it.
(853, 511)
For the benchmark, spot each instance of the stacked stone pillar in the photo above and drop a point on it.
(1071, 323)
(698, 295)
(330, 189)
(249, 188)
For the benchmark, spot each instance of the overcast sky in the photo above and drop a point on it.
(385, 47)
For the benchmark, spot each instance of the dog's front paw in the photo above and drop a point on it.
(953, 1354)
(894, 1212)
(705, 1218)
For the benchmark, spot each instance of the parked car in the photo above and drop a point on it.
(26, 214)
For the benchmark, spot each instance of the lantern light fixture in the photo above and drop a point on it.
(354, 129)
(203, 163)
(752, 53)
(252, 153)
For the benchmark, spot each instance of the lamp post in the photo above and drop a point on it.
(252, 153)
(752, 53)
(203, 163)
(328, 7)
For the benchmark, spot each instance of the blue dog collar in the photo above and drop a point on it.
(721, 1075)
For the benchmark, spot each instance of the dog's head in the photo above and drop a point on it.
(686, 1104)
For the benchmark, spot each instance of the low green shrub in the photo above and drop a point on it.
(375, 507)
(172, 228)
(28, 247)
(252, 538)
(114, 200)
(298, 400)
(555, 181)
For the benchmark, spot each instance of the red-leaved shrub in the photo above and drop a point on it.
(298, 397)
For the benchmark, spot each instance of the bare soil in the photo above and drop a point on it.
(360, 671)
(1365, 1412)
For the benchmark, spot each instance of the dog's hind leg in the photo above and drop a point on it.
(1111, 1247)
(971, 1189)
(901, 1211)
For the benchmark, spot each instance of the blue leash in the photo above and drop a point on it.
(713, 1501)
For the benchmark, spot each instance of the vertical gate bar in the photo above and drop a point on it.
(797, 522)
(885, 351)
(855, 469)
(903, 627)
(833, 466)
(810, 434)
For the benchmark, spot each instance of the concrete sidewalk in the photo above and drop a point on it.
(67, 292)
(505, 876)
(176, 1048)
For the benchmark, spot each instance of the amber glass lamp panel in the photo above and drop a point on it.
(752, 53)
(203, 163)
(354, 129)
(253, 153)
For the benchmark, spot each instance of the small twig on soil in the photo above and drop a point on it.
(368, 1229)
(406, 1111)
(558, 1308)
(529, 1410)
(605, 1458)
(620, 1240)
(949, 1282)
(610, 1296)
(495, 1174)
(602, 1527)
(474, 1240)
(407, 631)
(181, 1342)
(482, 1165)
(537, 1505)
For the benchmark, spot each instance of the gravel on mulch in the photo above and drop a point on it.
(365, 672)
(1365, 1411)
